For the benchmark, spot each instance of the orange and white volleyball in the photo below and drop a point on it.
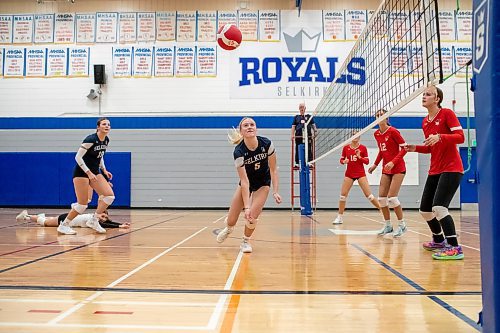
(229, 37)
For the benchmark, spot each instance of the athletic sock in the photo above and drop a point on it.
(449, 230)
(437, 232)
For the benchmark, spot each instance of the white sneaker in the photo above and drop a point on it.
(66, 230)
(400, 230)
(338, 220)
(387, 229)
(94, 224)
(223, 234)
(23, 216)
(245, 247)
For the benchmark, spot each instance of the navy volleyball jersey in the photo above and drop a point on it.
(94, 154)
(255, 162)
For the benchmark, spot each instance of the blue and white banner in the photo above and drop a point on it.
(64, 31)
(35, 62)
(57, 62)
(85, 28)
(2, 50)
(447, 59)
(399, 23)
(355, 22)
(416, 59)
(462, 53)
(127, 27)
(226, 17)
(14, 63)
(333, 25)
(79, 59)
(146, 27)
(464, 25)
(44, 28)
(248, 23)
(185, 61)
(143, 62)
(206, 26)
(6, 29)
(107, 27)
(206, 61)
(269, 26)
(447, 26)
(186, 26)
(122, 61)
(380, 24)
(165, 26)
(164, 61)
(399, 60)
(23, 29)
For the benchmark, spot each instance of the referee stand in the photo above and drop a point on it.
(303, 179)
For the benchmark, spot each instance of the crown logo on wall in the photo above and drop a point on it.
(301, 42)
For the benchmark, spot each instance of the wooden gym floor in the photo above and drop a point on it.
(168, 274)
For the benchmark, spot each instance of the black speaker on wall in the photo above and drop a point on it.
(99, 74)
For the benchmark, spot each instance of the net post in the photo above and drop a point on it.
(305, 188)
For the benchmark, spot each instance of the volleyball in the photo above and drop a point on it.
(229, 37)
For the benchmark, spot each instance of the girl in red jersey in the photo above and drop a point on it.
(442, 132)
(355, 155)
(390, 144)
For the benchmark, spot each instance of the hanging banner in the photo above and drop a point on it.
(416, 60)
(399, 60)
(85, 28)
(107, 27)
(143, 62)
(146, 27)
(248, 23)
(64, 30)
(35, 62)
(206, 61)
(399, 23)
(333, 25)
(447, 59)
(165, 26)
(164, 61)
(355, 23)
(57, 62)
(226, 17)
(447, 26)
(379, 27)
(1, 61)
(185, 61)
(6, 29)
(23, 29)
(207, 26)
(415, 25)
(461, 55)
(122, 61)
(127, 25)
(14, 63)
(186, 26)
(464, 25)
(79, 59)
(44, 28)
(269, 26)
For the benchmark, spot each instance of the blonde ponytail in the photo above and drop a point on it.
(234, 136)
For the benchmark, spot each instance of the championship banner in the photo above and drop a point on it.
(23, 29)
(122, 61)
(146, 27)
(1, 60)
(85, 28)
(127, 26)
(206, 61)
(447, 59)
(415, 25)
(185, 61)
(206, 26)
(355, 22)
(333, 25)
(35, 62)
(57, 62)
(164, 61)
(79, 59)
(6, 29)
(64, 30)
(461, 55)
(226, 17)
(143, 62)
(106, 30)
(186, 26)
(13, 63)
(399, 60)
(44, 28)
(464, 25)
(165, 26)
(447, 26)
(269, 26)
(399, 25)
(380, 27)
(416, 58)
(248, 23)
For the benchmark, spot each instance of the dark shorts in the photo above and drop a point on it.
(256, 185)
(392, 174)
(61, 218)
(78, 172)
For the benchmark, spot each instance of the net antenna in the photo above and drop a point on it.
(394, 59)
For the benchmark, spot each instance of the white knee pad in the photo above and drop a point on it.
(342, 198)
(440, 211)
(108, 200)
(251, 225)
(383, 201)
(79, 208)
(427, 215)
(393, 202)
(370, 197)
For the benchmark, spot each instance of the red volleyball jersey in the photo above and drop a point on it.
(390, 149)
(444, 154)
(355, 166)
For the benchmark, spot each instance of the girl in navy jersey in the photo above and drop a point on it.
(442, 132)
(90, 163)
(255, 161)
(391, 152)
(355, 155)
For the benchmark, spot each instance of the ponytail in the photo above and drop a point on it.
(234, 136)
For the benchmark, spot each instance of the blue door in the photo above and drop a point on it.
(468, 186)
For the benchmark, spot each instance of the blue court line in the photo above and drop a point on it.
(80, 246)
(246, 292)
(415, 285)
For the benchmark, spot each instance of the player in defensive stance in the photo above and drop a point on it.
(255, 161)
(355, 155)
(391, 152)
(442, 132)
(79, 221)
